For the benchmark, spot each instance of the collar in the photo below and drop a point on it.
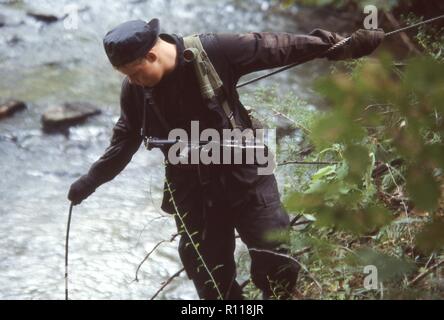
(180, 62)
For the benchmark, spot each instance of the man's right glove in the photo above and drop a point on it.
(81, 189)
(363, 42)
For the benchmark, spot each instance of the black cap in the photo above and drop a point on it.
(130, 40)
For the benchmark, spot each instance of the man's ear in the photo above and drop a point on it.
(151, 56)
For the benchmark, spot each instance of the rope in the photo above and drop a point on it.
(332, 48)
(388, 34)
(66, 250)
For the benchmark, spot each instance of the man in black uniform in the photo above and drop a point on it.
(161, 92)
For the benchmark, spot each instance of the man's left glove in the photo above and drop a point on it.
(81, 189)
(363, 42)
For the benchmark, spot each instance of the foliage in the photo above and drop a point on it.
(379, 114)
(430, 39)
(381, 202)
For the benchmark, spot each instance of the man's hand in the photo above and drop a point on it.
(81, 189)
(362, 43)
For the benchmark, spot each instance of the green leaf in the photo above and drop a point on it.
(431, 237)
(388, 267)
(423, 188)
(335, 128)
(324, 172)
(302, 202)
(358, 161)
(356, 221)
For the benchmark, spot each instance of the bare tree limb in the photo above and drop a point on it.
(154, 206)
(149, 253)
(167, 283)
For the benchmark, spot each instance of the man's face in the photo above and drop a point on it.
(144, 72)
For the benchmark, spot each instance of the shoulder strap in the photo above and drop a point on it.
(150, 103)
(209, 80)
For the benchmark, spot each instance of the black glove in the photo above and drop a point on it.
(363, 42)
(81, 189)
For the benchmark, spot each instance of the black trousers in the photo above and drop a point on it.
(212, 225)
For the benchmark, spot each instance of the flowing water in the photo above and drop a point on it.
(46, 64)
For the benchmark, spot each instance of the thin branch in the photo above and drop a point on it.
(430, 259)
(167, 283)
(382, 168)
(422, 275)
(161, 216)
(136, 279)
(193, 243)
(307, 162)
(302, 251)
(305, 152)
(291, 120)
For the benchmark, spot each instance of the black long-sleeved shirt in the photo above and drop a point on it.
(179, 100)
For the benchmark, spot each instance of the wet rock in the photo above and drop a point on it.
(42, 16)
(10, 107)
(61, 117)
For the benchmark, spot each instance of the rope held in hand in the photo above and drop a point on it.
(332, 48)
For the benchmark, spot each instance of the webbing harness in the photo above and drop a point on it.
(209, 81)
